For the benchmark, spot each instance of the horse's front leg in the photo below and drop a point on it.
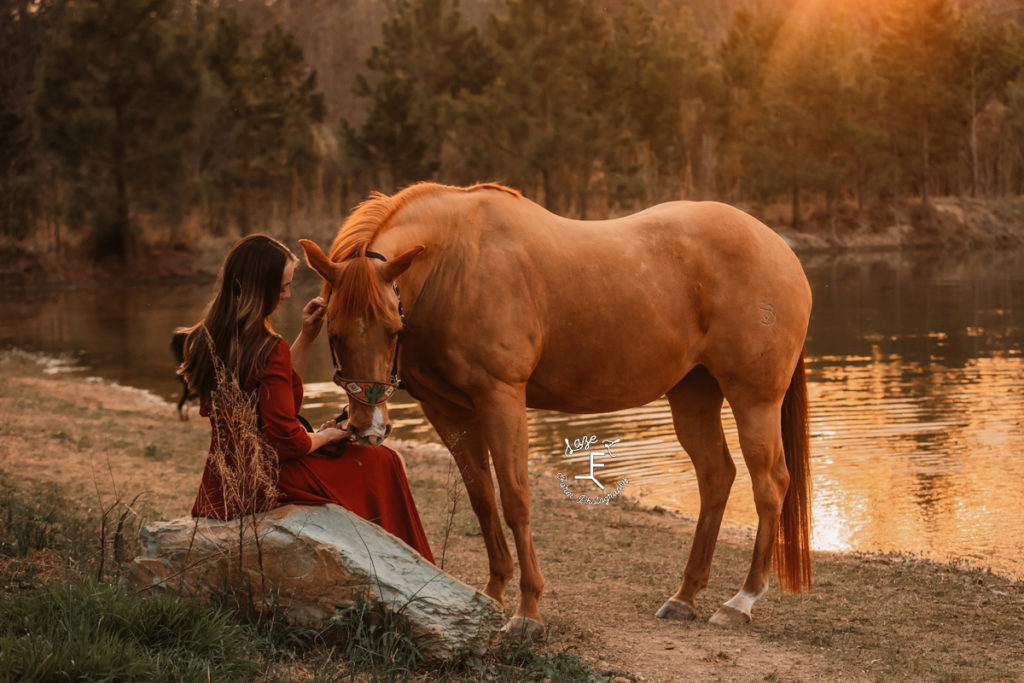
(465, 443)
(502, 418)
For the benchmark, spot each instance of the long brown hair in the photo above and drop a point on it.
(235, 325)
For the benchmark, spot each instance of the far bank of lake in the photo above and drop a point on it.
(950, 224)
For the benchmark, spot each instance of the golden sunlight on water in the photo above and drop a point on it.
(922, 459)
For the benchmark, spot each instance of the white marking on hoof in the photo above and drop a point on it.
(729, 616)
(676, 609)
(737, 610)
(523, 627)
(744, 601)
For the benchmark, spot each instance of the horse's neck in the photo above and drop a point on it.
(408, 234)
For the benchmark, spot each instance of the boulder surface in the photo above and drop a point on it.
(307, 561)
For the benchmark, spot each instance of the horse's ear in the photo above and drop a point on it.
(398, 265)
(318, 261)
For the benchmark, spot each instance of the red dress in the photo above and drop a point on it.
(369, 481)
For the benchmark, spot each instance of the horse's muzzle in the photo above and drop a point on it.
(369, 437)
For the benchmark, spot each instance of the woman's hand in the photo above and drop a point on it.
(313, 317)
(332, 434)
(312, 320)
(326, 436)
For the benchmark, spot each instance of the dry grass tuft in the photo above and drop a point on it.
(245, 463)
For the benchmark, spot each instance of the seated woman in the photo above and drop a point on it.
(250, 386)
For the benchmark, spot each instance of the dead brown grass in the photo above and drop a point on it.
(245, 463)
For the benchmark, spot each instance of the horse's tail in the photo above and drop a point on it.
(793, 546)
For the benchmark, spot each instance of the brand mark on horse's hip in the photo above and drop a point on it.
(767, 314)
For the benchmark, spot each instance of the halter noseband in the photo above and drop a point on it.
(370, 392)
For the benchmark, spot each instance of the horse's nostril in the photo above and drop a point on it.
(387, 431)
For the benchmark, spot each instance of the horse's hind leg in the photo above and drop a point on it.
(761, 441)
(466, 445)
(697, 415)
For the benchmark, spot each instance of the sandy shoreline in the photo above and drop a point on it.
(607, 567)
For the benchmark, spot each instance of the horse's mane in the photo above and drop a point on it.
(358, 290)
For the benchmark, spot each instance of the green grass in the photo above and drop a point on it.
(83, 630)
(377, 640)
(40, 518)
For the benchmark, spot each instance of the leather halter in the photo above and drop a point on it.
(370, 392)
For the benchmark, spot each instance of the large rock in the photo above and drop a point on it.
(315, 558)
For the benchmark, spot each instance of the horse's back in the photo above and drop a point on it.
(650, 296)
(712, 229)
(682, 246)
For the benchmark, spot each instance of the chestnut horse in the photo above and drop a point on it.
(507, 306)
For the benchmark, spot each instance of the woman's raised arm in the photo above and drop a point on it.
(312, 322)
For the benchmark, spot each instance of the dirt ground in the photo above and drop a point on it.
(607, 568)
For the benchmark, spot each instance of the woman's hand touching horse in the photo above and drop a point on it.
(312, 323)
(313, 317)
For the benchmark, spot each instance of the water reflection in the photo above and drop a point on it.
(916, 380)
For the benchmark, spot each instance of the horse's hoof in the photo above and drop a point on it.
(729, 616)
(523, 627)
(676, 609)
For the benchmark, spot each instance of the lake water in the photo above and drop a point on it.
(916, 382)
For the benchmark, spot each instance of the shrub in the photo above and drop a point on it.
(39, 519)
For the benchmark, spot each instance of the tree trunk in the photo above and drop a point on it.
(122, 230)
(796, 205)
(583, 190)
(708, 157)
(550, 194)
(925, 163)
(860, 188)
(974, 134)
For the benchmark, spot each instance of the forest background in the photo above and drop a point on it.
(133, 127)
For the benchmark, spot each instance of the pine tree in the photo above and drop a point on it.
(802, 137)
(868, 143)
(255, 131)
(543, 124)
(22, 35)
(662, 84)
(736, 111)
(285, 106)
(986, 60)
(426, 59)
(114, 108)
(915, 59)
